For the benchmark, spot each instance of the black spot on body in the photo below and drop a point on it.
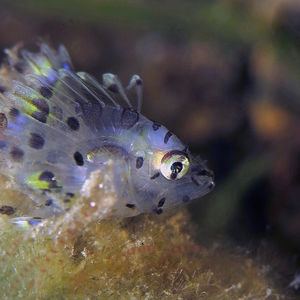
(40, 116)
(46, 92)
(130, 205)
(78, 158)
(155, 126)
(49, 202)
(3, 120)
(73, 123)
(139, 162)
(185, 199)
(47, 176)
(161, 202)
(42, 105)
(155, 175)
(17, 154)
(167, 136)
(7, 210)
(2, 89)
(129, 118)
(36, 141)
(139, 82)
(69, 194)
(158, 210)
(113, 88)
(14, 112)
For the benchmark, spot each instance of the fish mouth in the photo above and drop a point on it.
(203, 178)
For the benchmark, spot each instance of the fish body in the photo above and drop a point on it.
(57, 127)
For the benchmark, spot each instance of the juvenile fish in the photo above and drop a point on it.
(57, 127)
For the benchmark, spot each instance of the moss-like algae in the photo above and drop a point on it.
(76, 256)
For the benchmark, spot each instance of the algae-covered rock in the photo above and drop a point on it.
(80, 256)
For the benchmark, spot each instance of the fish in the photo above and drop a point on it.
(59, 126)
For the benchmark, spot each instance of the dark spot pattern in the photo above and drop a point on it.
(2, 89)
(47, 176)
(69, 194)
(130, 205)
(155, 126)
(46, 92)
(2, 144)
(158, 210)
(167, 136)
(155, 175)
(40, 116)
(36, 141)
(49, 202)
(17, 154)
(3, 120)
(14, 112)
(78, 158)
(139, 82)
(7, 210)
(161, 202)
(185, 199)
(129, 118)
(42, 105)
(113, 88)
(139, 162)
(73, 123)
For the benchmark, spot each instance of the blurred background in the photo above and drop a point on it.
(224, 76)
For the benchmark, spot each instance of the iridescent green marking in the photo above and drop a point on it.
(43, 180)
(35, 182)
(36, 107)
(42, 68)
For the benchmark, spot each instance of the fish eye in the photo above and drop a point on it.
(174, 165)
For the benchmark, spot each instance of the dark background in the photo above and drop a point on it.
(223, 75)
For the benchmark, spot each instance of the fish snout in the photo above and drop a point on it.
(203, 177)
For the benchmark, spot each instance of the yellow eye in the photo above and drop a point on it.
(174, 165)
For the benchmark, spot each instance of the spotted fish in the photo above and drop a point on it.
(57, 127)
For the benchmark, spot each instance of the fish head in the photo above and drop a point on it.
(168, 174)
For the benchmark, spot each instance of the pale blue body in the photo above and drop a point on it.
(62, 126)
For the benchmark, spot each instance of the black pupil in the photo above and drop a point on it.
(176, 167)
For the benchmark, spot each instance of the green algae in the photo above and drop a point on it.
(80, 256)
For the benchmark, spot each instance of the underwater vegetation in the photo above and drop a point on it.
(224, 77)
(50, 249)
(144, 257)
